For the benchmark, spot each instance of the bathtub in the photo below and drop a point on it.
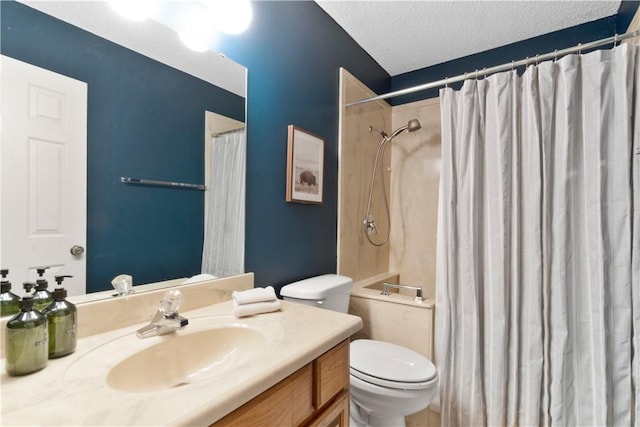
(397, 319)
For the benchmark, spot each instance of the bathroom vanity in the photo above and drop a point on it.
(315, 395)
(285, 368)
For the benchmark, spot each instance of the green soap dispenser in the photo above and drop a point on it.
(61, 316)
(9, 302)
(26, 348)
(42, 297)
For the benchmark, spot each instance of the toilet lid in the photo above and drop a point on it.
(389, 362)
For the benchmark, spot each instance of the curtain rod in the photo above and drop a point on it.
(498, 68)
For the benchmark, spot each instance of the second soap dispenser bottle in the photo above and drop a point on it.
(61, 317)
(9, 302)
(42, 297)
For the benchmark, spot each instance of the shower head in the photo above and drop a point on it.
(412, 126)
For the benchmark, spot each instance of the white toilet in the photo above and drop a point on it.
(388, 381)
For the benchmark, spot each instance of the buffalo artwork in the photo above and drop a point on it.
(307, 177)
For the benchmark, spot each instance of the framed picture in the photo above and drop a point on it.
(305, 166)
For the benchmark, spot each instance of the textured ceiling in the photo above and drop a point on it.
(400, 35)
(404, 36)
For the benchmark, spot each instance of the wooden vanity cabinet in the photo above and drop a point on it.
(316, 395)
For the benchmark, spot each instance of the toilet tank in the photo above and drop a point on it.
(330, 291)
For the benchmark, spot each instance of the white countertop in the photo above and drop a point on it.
(70, 391)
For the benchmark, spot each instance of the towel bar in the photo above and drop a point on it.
(155, 182)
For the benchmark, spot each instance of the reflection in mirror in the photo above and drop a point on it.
(146, 98)
(225, 151)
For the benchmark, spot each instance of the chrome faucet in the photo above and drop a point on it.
(166, 320)
(418, 289)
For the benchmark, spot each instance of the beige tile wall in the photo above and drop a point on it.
(357, 150)
(415, 177)
(413, 174)
(634, 26)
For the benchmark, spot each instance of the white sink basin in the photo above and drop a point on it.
(185, 359)
(169, 361)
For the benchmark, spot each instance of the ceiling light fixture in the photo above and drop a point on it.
(197, 22)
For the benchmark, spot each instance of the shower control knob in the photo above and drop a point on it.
(76, 250)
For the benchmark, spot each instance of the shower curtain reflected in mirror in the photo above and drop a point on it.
(223, 248)
(538, 270)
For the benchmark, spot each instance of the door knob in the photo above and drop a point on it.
(76, 250)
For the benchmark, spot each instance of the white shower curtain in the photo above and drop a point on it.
(223, 249)
(538, 270)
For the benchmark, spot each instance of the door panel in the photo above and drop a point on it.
(43, 174)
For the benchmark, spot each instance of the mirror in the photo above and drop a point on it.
(147, 102)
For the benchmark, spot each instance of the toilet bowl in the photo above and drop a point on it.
(387, 381)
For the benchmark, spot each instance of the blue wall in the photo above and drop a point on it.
(293, 51)
(145, 120)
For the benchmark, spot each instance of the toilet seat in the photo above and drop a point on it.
(391, 384)
(390, 365)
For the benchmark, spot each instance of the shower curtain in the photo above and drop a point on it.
(538, 266)
(223, 248)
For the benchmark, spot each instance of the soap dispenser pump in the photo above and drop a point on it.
(42, 297)
(28, 287)
(61, 316)
(25, 337)
(9, 302)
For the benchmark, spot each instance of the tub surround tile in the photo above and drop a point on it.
(395, 318)
(357, 150)
(412, 177)
(415, 179)
(412, 168)
(405, 325)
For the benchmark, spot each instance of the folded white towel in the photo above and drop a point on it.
(241, 310)
(254, 295)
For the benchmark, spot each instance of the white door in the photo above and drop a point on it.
(43, 176)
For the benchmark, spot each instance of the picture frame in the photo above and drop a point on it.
(305, 166)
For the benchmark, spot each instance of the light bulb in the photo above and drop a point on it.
(196, 29)
(135, 10)
(231, 16)
(193, 41)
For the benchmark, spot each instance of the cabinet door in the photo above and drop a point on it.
(336, 415)
(286, 404)
(331, 371)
